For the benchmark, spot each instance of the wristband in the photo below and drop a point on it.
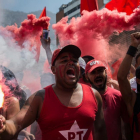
(132, 51)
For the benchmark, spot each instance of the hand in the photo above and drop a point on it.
(135, 39)
(113, 83)
(2, 124)
(108, 82)
(45, 42)
(29, 136)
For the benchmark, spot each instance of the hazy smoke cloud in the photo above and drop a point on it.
(91, 32)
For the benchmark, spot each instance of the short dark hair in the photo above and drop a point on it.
(89, 57)
(137, 56)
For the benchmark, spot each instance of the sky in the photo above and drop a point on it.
(32, 5)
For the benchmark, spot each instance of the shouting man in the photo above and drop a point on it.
(113, 107)
(65, 110)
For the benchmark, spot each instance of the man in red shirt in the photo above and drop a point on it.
(131, 98)
(65, 110)
(113, 106)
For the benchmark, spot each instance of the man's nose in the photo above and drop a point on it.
(97, 74)
(70, 62)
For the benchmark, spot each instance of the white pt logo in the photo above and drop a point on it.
(75, 133)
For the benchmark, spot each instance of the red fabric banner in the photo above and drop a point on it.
(43, 14)
(123, 5)
(88, 5)
(116, 66)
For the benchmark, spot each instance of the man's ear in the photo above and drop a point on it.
(53, 69)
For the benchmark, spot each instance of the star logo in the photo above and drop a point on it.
(75, 133)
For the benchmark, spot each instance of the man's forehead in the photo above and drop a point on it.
(99, 68)
(66, 54)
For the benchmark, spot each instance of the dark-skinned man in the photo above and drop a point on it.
(113, 106)
(65, 110)
(131, 98)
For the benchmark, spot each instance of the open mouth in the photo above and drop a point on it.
(71, 73)
(99, 81)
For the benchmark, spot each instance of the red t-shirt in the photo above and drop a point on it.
(114, 109)
(59, 122)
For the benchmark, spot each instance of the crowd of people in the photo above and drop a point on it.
(78, 101)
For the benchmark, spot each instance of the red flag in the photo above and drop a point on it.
(116, 66)
(43, 14)
(123, 5)
(88, 5)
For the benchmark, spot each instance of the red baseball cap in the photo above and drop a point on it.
(93, 64)
(69, 48)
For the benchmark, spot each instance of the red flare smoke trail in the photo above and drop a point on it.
(103, 22)
(30, 31)
(89, 31)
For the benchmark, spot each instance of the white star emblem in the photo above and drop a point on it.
(75, 133)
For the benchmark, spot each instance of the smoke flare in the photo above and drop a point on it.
(29, 31)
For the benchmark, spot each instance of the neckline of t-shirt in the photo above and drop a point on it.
(68, 106)
(105, 91)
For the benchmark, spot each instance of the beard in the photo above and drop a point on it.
(99, 88)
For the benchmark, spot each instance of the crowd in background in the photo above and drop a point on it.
(116, 103)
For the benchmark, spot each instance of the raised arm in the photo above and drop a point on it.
(132, 69)
(99, 124)
(46, 45)
(28, 114)
(128, 96)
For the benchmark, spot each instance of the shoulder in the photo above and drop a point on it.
(40, 94)
(112, 91)
(97, 95)
(12, 105)
(88, 88)
(12, 100)
(36, 98)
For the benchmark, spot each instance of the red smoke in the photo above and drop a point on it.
(46, 67)
(103, 22)
(32, 81)
(29, 31)
(89, 31)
